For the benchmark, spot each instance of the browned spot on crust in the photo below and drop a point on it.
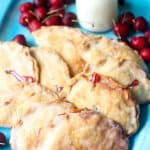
(85, 114)
(51, 125)
(7, 102)
(26, 53)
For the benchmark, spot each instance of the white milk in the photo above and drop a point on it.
(96, 15)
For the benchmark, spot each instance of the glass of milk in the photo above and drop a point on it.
(96, 15)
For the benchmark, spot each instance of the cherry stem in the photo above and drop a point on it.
(48, 17)
(20, 78)
(33, 13)
(123, 18)
(56, 10)
(15, 74)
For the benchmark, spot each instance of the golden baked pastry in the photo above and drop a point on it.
(117, 60)
(54, 72)
(61, 126)
(106, 96)
(65, 41)
(21, 100)
(16, 65)
(105, 56)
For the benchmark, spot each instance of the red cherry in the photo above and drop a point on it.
(23, 21)
(140, 24)
(26, 7)
(40, 12)
(58, 3)
(138, 42)
(147, 34)
(95, 78)
(39, 3)
(148, 41)
(121, 29)
(2, 139)
(54, 20)
(145, 54)
(34, 25)
(127, 18)
(68, 19)
(20, 38)
(69, 1)
(25, 18)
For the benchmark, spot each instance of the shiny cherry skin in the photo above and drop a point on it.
(25, 18)
(57, 3)
(138, 43)
(140, 24)
(145, 54)
(39, 3)
(34, 25)
(41, 12)
(121, 29)
(147, 36)
(148, 41)
(24, 7)
(2, 139)
(54, 20)
(127, 18)
(69, 18)
(20, 38)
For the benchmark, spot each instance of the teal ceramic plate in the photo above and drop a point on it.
(9, 27)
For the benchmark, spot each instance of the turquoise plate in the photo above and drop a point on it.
(9, 27)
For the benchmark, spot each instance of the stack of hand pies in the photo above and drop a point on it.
(72, 92)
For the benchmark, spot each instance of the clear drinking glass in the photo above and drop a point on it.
(96, 15)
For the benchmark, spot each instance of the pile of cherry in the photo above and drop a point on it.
(53, 12)
(45, 13)
(128, 24)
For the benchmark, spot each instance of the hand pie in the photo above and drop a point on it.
(105, 56)
(65, 41)
(61, 126)
(115, 59)
(16, 65)
(21, 100)
(54, 72)
(108, 97)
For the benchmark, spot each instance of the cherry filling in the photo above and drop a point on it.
(28, 79)
(133, 83)
(95, 78)
(59, 88)
(20, 78)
